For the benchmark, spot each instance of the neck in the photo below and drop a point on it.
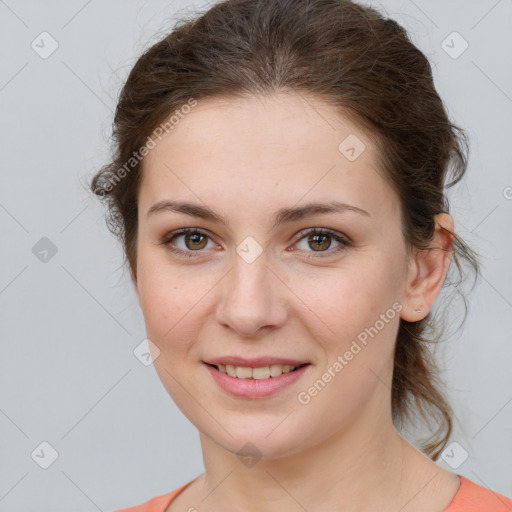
(334, 475)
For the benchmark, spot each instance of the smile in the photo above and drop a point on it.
(247, 382)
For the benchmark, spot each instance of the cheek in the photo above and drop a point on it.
(346, 300)
(166, 308)
(172, 299)
(344, 316)
(357, 330)
(158, 295)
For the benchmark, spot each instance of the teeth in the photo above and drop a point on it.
(244, 372)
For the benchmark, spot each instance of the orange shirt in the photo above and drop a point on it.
(471, 497)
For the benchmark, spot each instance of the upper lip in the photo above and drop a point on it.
(257, 362)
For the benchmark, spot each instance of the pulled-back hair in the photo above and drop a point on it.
(361, 64)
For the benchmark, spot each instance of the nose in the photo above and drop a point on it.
(253, 297)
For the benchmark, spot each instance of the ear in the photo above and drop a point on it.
(427, 271)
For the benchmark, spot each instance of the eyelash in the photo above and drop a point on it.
(343, 240)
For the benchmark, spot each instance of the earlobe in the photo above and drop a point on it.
(428, 270)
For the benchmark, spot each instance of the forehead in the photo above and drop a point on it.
(298, 122)
(276, 148)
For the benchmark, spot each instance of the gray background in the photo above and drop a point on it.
(68, 375)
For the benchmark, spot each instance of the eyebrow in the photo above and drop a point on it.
(282, 216)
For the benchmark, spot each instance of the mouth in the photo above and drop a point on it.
(255, 383)
(260, 373)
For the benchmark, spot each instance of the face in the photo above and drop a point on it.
(259, 283)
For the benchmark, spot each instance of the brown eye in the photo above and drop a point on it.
(320, 240)
(193, 240)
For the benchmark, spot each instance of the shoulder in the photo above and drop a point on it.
(156, 504)
(473, 497)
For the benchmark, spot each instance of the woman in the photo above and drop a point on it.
(278, 185)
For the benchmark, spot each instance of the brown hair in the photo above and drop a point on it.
(359, 62)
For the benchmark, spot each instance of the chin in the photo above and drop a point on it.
(259, 445)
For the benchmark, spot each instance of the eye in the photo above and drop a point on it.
(193, 240)
(318, 239)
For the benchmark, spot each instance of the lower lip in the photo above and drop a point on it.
(255, 388)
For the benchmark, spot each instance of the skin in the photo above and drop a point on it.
(246, 158)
